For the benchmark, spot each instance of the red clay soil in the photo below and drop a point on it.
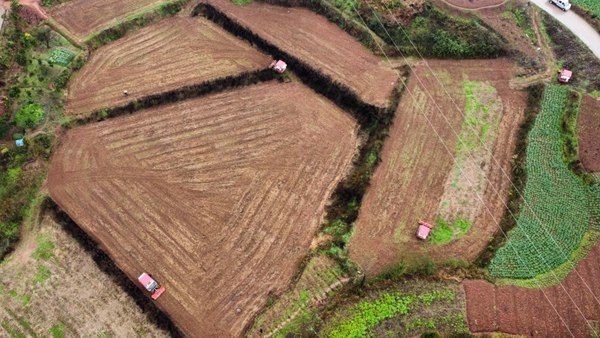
(164, 56)
(527, 312)
(319, 43)
(588, 126)
(217, 197)
(84, 17)
(409, 182)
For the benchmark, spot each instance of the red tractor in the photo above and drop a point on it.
(564, 75)
(279, 66)
(151, 285)
(424, 230)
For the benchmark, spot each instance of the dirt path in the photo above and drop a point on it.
(586, 33)
(32, 4)
(474, 5)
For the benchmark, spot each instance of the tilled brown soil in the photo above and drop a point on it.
(217, 197)
(588, 126)
(170, 54)
(319, 43)
(84, 17)
(409, 182)
(559, 311)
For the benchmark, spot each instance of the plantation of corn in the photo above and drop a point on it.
(558, 207)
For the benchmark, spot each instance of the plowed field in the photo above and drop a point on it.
(528, 312)
(170, 54)
(588, 125)
(217, 197)
(412, 178)
(320, 44)
(84, 17)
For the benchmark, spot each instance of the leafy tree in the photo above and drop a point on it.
(29, 115)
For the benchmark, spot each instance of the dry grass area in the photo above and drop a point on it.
(164, 56)
(437, 164)
(321, 276)
(319, 43)
(51, 283)
(84, 17)
(217, 197)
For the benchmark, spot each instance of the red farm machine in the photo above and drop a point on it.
(151, 285)
(279, 66)
(424, 230)
(564, 75)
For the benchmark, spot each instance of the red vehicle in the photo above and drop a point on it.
(151, 285)
(564, 75)
(424, 230)
(278, 66)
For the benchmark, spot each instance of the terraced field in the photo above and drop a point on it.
(321, 276)
(173, 53)
(320, 44)
(84, 17)
(588, 125)
(413, 180)
(558, 207)
(217, 197)
(565, 310)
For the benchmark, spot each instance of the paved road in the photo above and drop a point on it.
(1, 14)
(575, 23)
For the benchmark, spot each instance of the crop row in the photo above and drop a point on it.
(591, 5)
(558, 206)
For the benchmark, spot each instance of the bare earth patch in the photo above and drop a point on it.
(84, 17)
(217, 197)
(588, 125)
(170, 54)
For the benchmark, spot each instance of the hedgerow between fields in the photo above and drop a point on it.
(558, 206)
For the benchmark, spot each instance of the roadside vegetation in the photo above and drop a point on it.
(591, 5)
(433, 32)
(555, 213)
(573, 55)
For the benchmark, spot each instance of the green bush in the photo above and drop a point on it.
(29, 115)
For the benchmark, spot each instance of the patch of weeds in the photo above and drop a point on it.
(43, 273)
(444, 232)
(57, 330)
(45, 249)
(11, 330)
(25, 299)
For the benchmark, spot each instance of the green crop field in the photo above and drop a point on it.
(61, 57)
(558, 206)
(591, 5)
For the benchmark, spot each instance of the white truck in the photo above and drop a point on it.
(562, 4)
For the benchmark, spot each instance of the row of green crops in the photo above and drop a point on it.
(591, 5)
(366, 315)
(61, 56)
(558, 207)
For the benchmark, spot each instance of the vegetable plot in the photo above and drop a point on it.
(558, 206)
